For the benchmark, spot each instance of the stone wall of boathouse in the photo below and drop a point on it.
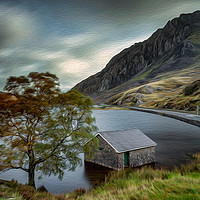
(106, 156)
(141, 157)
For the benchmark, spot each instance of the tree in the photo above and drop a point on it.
(43, 129)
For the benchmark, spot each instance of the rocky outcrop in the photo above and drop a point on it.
(135, 99)
(142, 56)
(146, 89)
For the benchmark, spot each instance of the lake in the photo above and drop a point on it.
(176, 141)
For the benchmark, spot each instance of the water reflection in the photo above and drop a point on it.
(96, 173)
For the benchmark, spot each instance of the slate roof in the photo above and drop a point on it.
(127, 140)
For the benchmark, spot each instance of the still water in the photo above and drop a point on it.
(176, 141)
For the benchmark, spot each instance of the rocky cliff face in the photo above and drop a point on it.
(168, 43)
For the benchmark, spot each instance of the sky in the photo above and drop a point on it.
(76, 38)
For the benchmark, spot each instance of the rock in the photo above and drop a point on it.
(147, 89)
(139, 102)
(165, 44)
(133, 98)
(139, 95)
(158, 89)
(187, 50)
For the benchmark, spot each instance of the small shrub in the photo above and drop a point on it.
(27, 192)
(42, 189)
(3, 195)
(60, 197)
(132, 104)
(79, 192)
(44, 196)
(13, 183)
(164, 175)
(146, 174)
(128, 171)
(193, 87)
(162, 113)
(197, 157)
(191, 167)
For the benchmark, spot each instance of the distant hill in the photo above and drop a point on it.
(172, 49)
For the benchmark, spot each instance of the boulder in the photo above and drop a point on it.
(158, 89)
(147, 89)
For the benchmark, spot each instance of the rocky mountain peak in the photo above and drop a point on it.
(141, 57)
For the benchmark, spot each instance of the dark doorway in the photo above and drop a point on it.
(126, 159)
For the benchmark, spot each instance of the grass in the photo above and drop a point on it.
(148, 183)
(15, 191)
(194, 37)
(171, 87)
(146, 73)
(170, 97)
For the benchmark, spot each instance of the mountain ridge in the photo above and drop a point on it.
(166, 44)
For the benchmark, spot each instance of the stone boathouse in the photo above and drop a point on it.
(123, 148)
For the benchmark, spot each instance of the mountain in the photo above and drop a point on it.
(172, 48)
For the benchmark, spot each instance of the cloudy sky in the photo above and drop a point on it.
(76, 38)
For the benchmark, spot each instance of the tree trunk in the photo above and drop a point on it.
(31, 170)
(31, 176)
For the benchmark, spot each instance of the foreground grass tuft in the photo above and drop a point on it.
(15, 191)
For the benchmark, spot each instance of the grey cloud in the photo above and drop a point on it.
(30, 30)
(16, 26)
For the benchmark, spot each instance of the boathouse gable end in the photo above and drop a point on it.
(123, 148)
(106, 155)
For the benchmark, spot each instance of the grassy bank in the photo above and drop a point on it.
(167, 92)
(15, 191)
(146, 183)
